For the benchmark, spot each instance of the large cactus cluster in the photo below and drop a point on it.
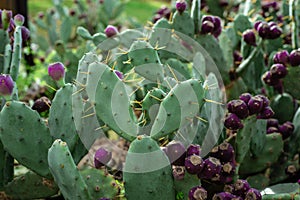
(163, 90)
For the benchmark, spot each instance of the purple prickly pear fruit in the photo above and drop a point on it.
(25, 33)
(207, 27)
(295, 58)
(56, 71)
(272, 123)
(217, 22)
(253, 194)
(193, 149)
(266, 101)
(256, 24)
(119, 74)
(278, 71)
(249, 37)
(178, 172)
(263, 30)
(281, 57)
(223, 196)
(6, 84)
(255, 105)
(102, 157)
(272, 130)
(239, 108)
(72, 12)
(212, 167)
(275, 32)
(233, 122)
(217, 31)
(156, 17)
(175, 151)
(241, 187)
(197, 193)
(41, 15)
(228, 168)
(228, 188)
(272, 24)
(291, 170)
(193, 164)
(286, 130)
(208, 18)
(245, 97)
(41, 105)
(11, 27)
(19, 19)
(110, 31)
(266, 113)
(104, 198)
(225, 178)
(269, 80)
(180, 6)
(224, 152)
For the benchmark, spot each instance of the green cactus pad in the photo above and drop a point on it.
(99, 183)
(183, 23)
(61, 121)
(278, 170)
(189, 181)
(145, 60)
(149, 176)
(258, 181)
(113, 105)
(283, 106)
(17, 53)
(259, 138)
(286, 191)
(291, 80)
(22, 132)
(161, 33)
(268, 156)
(65, 172)
(127, 37)
(293, 144)
(243, 138)
(181, 105)
(211, 45)
(31, 186)
(177, 69)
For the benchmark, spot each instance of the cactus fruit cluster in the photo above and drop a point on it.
(205, 100)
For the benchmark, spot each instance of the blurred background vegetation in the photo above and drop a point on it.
(141, 10)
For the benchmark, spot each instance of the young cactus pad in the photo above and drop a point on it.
(65, 172)
(146, 164)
